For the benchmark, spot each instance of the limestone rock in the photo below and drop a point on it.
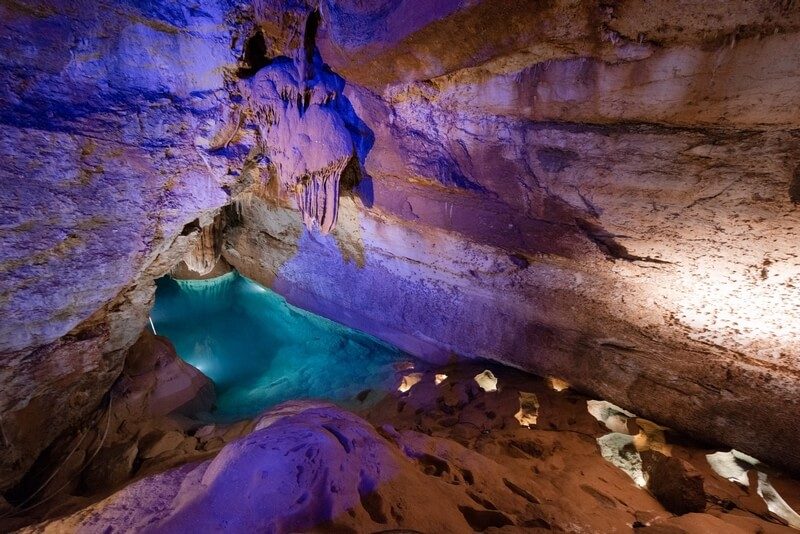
(674, 482)
(310, 463)
(302, 471)
(101, 113)
(303, 132)
(206, 253)
(611, 200)
(158, 443)
(157, 382)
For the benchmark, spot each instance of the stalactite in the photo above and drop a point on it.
(317, 196)
(301, 132)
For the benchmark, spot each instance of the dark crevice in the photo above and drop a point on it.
(481, 500)
(310, 41)
(433, 466)
(371, 500)
(255, 55)
(607, 243)
(618, 345)
(191, 227)
(339, 436)
(794, 187)
(351, 176)
(520, 492)
(480, 520)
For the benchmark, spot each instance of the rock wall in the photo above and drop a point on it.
(608, 201)
(606, 192)
(105, 117)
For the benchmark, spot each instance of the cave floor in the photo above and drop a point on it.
(566, 470)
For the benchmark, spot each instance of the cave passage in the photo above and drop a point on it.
(260, 351)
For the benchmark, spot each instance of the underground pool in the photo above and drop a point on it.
(260, 351)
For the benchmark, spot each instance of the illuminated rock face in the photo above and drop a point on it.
(608, 201)
(104, 118)
(611, 201)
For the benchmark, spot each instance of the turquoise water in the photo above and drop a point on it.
(261, 351)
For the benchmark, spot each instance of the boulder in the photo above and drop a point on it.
(674, 482)
(313, 467)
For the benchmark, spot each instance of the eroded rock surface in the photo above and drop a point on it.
(103, 117)
(443, 456)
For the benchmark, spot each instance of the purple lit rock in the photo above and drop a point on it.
(306, 467)
(103, 116)
(306, 140)
(610, 199)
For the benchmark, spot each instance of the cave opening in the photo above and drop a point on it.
(254, 55)
(260, 351)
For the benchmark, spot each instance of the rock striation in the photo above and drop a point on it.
(645, 175)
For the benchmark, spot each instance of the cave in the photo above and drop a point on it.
(400, 266)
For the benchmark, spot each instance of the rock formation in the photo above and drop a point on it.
(446, 457)
(306, 140)
(602, 192)
(644, 174)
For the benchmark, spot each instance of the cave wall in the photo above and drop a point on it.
(605, 192)
(106, 115)
(608, 201)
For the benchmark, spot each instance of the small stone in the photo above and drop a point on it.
(153, 446)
